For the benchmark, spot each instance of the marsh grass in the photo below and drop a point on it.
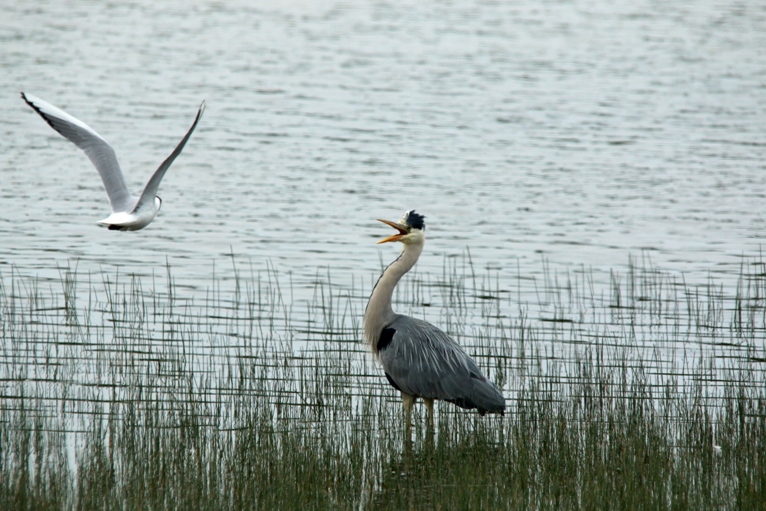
(119, 393)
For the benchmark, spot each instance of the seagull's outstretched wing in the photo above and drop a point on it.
(150, 191)
(95, 147)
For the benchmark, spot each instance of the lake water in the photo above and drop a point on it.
(543, 139)
(579, 132)
(547, 143)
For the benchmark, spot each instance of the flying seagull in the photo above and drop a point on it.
(129, 213)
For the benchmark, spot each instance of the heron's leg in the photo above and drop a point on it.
(430, 407)
(408, 401)
(430, 429)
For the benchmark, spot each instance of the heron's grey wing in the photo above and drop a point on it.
(92, 144)
(421, 360)
(150, 190)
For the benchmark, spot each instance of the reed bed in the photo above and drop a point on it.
(123, 393)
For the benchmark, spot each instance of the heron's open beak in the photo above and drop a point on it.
(395, 237)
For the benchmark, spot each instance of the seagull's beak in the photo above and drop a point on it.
(395, 237)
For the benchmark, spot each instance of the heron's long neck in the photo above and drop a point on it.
(379, 311)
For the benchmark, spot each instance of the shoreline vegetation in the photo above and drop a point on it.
(120, 392)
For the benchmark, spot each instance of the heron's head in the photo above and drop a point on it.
(411, 228)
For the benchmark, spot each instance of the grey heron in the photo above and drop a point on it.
(420, 360)
(129, 213)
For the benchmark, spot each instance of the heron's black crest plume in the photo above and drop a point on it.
(415, 220)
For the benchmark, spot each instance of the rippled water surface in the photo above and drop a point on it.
(592, 174)
(579, 132)
(547, 144)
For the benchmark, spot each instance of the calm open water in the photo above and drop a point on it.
(581, 132)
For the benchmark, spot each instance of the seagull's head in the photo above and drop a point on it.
(157, 202)
(411, 227)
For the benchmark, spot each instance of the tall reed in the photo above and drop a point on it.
(123, 394)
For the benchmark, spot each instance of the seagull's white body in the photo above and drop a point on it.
(129, 213)
(133, 221)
